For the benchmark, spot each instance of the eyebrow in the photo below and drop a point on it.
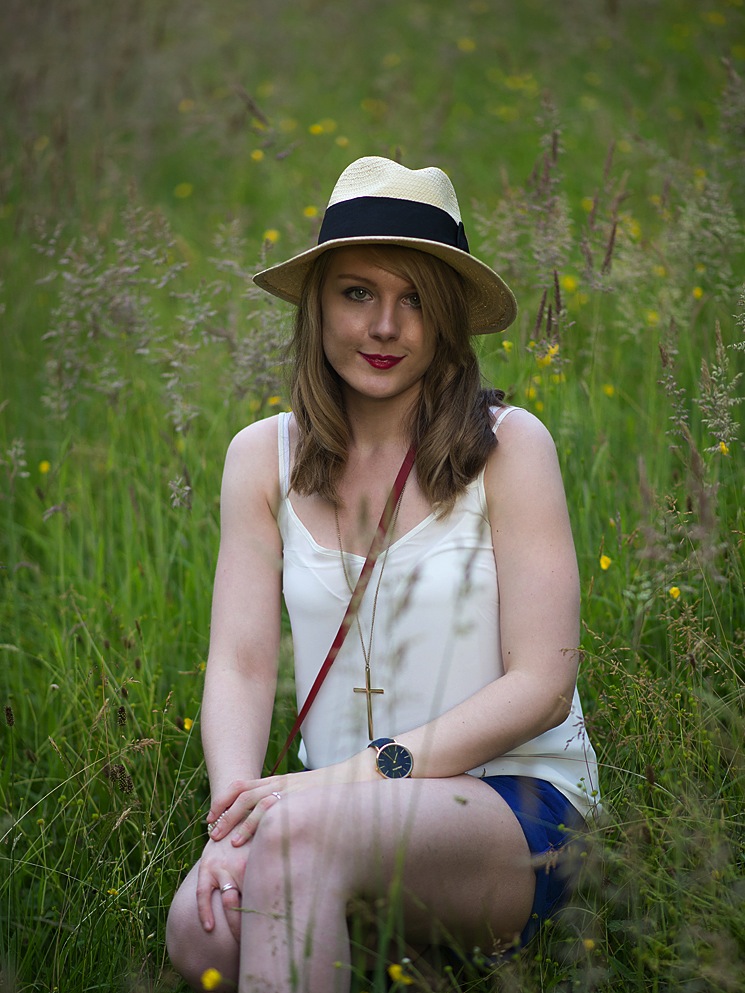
(367, 279)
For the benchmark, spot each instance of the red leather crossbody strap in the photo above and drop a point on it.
(359, 591)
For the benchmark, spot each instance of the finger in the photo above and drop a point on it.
(222, 801)
(231, 902)
(206, 886)
(229, 818)
(248, 827)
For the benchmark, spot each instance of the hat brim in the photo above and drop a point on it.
(492, 305)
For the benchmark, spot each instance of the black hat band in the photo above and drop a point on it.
(376, 217)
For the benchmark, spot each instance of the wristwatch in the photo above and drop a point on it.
(393, 760)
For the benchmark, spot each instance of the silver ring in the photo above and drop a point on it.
(228, 886)
(278, 795)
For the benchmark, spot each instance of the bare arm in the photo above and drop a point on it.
(538, 605)
(244, 642)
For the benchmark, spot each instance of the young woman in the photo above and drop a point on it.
(445, 760)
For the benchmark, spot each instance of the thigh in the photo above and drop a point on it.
(452, 849)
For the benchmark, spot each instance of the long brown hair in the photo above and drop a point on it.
(451, 423)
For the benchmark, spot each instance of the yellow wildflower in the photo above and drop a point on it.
(274, 401)
(211, 979)
(329, 125)
(633, 227)
(609, 389)
(697, 292)
(623, 146)
(287, 124)
(188, 724)
(569, 283)
(588, 203)
(605, 562)
(341, 141)
(310, 211)
(397, 974)
(112, 891)
(466, 45)
(257, 155)
(724, 448)
(531, 393)
(674, 592)
(715, 17)
(652, 317)
(316, 129)
(186, 105)
(272, 235)
(508, 346)
(589, 944)
(548, 357)
(44, 467)
(539, 405)
(391, 60)
(183, 190)
(660, 271)
(41, 143)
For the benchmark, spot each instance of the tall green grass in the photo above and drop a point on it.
(154, 156)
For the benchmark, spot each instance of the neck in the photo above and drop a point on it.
(378, 425)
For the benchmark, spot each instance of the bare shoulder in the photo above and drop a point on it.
(524, 463)
(522, 435)
(252, 463)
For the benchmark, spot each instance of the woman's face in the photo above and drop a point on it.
(374, 335)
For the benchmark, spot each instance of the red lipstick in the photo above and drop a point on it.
(382, 361)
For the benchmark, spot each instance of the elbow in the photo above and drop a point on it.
(561, 709)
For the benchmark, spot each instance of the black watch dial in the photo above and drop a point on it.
(395, 761)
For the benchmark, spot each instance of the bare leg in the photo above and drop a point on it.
(449, 853)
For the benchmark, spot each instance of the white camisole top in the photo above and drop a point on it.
(436, 639)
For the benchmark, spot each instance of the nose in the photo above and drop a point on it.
(385, 324)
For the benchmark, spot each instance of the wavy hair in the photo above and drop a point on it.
(450, 425)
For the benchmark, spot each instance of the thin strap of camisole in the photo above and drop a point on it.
(283, 438)
(503, 412)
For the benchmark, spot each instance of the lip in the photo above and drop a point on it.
(382, 361)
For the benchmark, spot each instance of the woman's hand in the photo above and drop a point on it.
(245, 802)
(222, 868)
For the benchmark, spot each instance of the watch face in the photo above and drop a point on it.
(395, 761)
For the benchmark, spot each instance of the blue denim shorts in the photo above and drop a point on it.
(550, 823)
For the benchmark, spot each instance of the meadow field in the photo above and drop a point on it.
(156, 153)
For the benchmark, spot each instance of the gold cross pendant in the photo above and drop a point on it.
(368, 690)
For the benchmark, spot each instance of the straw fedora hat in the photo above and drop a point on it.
(380, 202)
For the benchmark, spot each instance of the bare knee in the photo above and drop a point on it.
(295, 839)
(191, 949)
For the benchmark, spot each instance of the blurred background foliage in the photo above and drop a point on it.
(154, 154)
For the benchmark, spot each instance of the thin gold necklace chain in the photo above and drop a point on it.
(367, 654)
